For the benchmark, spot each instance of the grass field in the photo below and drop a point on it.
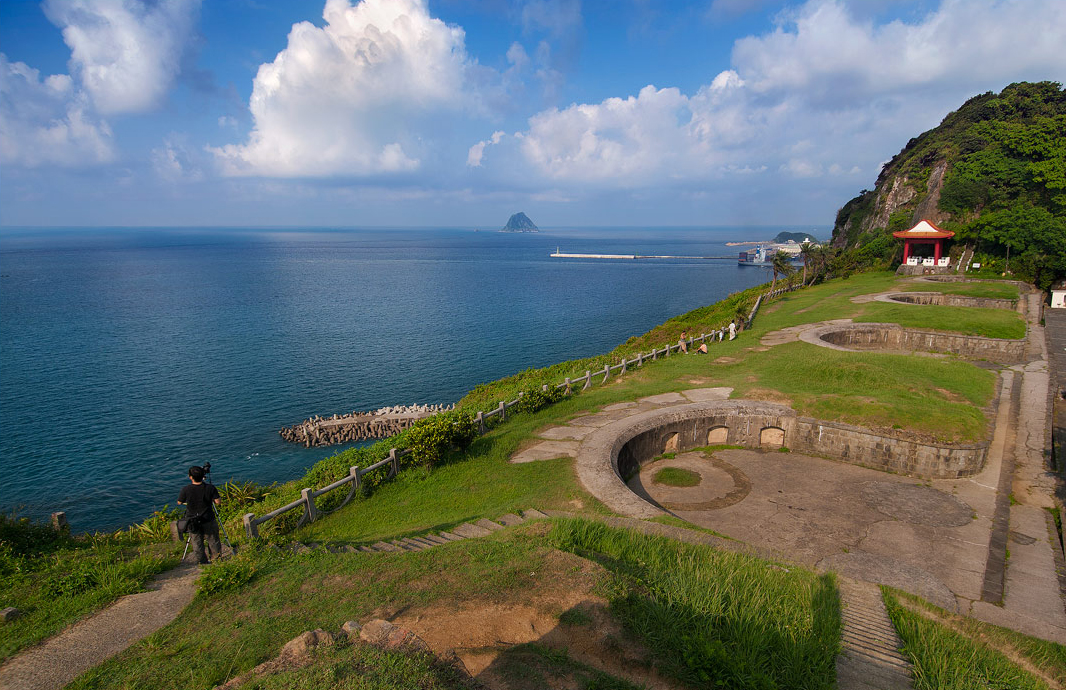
(990, 323)
(993, 290)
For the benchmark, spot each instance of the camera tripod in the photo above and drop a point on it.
(218, 519)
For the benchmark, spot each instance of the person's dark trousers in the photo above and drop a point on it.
(210, 533)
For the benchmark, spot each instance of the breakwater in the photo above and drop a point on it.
(358, 426)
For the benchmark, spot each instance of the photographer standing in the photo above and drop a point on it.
(198, 498)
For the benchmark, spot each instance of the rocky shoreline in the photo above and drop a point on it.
(358, 426)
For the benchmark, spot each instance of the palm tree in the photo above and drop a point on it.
(780, 265)
(805, 252)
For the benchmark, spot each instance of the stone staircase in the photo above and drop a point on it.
(871, 659)
(467, 530)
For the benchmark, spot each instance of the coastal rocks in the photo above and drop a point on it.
(519, 222)
(359, 426)
(9, 614)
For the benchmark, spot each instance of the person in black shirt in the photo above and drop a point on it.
(197, 498)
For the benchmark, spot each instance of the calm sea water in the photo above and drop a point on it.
(128, 355)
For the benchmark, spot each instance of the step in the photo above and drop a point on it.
(383, 546)
(451, 537)
(509, 519)
(411, 544)
(489, 524)
(400, 546)
(470, 530)
(533, 514)
(434, 539)
(424, 542)
(367, 549)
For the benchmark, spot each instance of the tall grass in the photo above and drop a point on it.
(713, 618)
(944, 659)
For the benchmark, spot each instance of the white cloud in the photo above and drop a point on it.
(47, 122)
(125, 53)
(172, 161)
(355, 96)
(822, 93)
(477, 151)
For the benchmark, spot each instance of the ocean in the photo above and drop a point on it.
(127, 355)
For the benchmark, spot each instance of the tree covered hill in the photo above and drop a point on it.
(994, 171)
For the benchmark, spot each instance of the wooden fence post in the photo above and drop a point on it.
(480, 419)
(250, 526)
(394, 460)
(309, 504)
(503, 411)
(588, 380)
(353, 472)
(568, 390)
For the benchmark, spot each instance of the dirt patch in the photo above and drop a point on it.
(768, 395)
(725, 360)
(950, 396)
(498, 640)
(697, 381)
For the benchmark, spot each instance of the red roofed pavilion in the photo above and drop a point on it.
(923, 233)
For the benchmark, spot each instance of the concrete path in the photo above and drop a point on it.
(60, 659)
(1032, 590)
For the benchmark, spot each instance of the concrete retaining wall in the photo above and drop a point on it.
(768, 426)
(939, 299)
(893, 337)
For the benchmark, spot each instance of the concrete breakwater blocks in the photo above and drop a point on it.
(615, 452)
(883, 337)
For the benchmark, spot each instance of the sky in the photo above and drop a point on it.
(459, 113)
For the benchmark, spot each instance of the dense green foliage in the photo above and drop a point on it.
(715, 618)
(1004, 184)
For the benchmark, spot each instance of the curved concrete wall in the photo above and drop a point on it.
(939, 299)
(886, 336)
(617, 450)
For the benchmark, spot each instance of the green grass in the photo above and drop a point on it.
(55, 579)
(529, 667)
(344, 666)
(990, 323)
(218, 637)
(946, 659)
(939, 397)
(676, 476)
(714, 618)
(989, 290)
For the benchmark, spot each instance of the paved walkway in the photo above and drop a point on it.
(61, 659)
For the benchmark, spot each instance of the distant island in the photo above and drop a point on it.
(797, 237)
(519, 222)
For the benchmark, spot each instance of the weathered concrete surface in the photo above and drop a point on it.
(60, 659)
(947, 300)
(894, 338)
(547, 450)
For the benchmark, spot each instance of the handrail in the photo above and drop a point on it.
(307, 496)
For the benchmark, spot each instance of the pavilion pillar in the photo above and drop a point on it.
(906, 250)
(936, 251)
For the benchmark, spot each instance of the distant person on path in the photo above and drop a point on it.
(732, 330)
(198, 497)
(683, 342)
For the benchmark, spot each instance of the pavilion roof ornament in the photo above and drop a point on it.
(924, 231)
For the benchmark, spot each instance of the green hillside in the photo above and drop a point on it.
(994, 171)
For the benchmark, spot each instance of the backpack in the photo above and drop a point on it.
(194, 524)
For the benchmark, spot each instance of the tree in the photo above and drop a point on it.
(805, 252)
(781, 265)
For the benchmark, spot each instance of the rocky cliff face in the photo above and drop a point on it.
(989, 155)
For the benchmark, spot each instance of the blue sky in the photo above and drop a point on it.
(460, 112)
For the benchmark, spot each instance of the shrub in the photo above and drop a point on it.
(537, 399)
(431, 438)
(226, 576)
(157, 527)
